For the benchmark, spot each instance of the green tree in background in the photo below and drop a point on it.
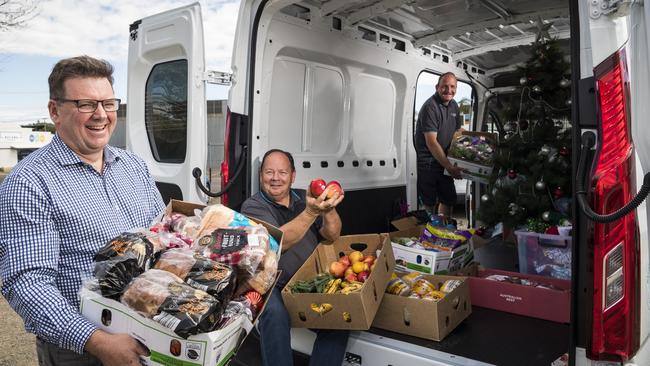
(531, 183)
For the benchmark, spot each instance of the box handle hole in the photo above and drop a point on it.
(107, 317)
(455, 302)
(446, 321)
(302, 316)
(407, 317)
(360, 247)
(374, 290)
(347, 317)
(465, 305)
(175, 347)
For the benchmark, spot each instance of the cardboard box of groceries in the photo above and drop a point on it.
(473, 151)
(341, 309)
(409, 259)
(167, 347)
(426, 318)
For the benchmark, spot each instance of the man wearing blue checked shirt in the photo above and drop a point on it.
(61, 204)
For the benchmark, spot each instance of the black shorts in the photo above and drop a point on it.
(434, 186)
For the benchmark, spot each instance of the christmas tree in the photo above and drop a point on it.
(531, 181)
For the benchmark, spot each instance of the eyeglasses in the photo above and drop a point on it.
(90, 106)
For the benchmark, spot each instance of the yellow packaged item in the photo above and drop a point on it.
(397, 286)
(423, 287)
(411, 278)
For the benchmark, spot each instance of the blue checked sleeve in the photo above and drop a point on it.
(29, 257)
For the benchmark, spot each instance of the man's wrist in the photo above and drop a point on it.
(311, 212)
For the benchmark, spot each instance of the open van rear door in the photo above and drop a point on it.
(166, 114)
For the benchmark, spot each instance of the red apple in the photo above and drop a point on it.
(345, 260)
(351, 277)
(317, 187)
(334, 187)
(363, 276)
(337, 269)
(370, 259)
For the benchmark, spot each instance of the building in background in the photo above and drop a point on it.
(17, 141)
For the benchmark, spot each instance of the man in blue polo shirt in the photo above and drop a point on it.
(305, 220)
(60, 205)
(438, 120)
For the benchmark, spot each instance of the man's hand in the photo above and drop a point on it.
(455, 171)
(322, 204)
(115, 349)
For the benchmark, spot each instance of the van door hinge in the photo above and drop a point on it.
(218, 77)
(615, 8)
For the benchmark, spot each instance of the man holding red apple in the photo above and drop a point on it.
(305, 219)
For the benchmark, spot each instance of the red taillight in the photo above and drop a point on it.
(226, 157)
(615, 328)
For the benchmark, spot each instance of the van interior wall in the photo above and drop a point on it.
(344, 107)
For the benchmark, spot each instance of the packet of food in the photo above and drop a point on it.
(398, 286)
(411, 277)
(422, 287)
(120, 260)
(165, 298)
(217, 279)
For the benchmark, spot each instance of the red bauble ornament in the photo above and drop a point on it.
(558, 192)
(512, 174)
(564, 151)
(552, 230)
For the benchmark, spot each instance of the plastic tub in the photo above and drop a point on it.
(544, 254)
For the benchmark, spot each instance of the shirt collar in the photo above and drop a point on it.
(437, 98)
(66, 156)
(293, 198)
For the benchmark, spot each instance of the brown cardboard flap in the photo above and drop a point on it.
(325, 254)
(405, 223)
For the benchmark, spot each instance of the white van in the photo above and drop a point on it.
(335, 83)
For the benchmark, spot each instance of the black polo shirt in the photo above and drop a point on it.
(435, 117)
(263, 208)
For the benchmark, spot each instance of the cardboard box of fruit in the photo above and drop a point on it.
(341, 284)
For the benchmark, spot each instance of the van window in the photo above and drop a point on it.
(426, 87)
(306, 109)
(166, 111)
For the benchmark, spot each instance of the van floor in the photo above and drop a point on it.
(487, 335)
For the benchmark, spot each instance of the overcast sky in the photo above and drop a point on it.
(65, 28)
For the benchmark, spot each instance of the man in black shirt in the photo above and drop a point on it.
(438, 120)
(305, 221)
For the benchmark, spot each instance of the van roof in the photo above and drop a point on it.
(488, 34)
